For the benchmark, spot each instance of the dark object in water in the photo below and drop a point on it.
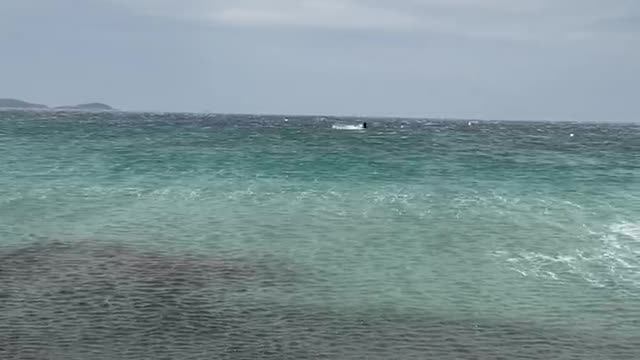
(364, 125)
(90, 300)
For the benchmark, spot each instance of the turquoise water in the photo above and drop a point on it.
(178, 236)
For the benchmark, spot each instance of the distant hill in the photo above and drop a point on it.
(90, 106)
(19, 104)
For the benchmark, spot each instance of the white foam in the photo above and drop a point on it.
(552, 275)
(611, 262)
(631, 230)
(519, 271)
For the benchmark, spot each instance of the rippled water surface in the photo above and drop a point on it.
(177, 236)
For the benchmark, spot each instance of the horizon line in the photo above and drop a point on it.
(327, 115)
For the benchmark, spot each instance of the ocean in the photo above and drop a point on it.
(186, 236)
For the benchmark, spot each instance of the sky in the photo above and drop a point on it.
(575, 60)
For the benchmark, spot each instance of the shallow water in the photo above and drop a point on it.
(146, 236)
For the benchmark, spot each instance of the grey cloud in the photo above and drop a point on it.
(497, 19)
(525, 59)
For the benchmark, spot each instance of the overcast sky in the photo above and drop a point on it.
(491, 59)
